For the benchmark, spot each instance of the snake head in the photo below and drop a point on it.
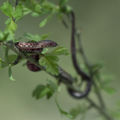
(48, 43)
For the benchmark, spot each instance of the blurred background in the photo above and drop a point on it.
(99, 21)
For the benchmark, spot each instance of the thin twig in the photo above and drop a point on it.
(81, 50)
(100, 110)
(16, 3)
(73, 50)
(76, 65)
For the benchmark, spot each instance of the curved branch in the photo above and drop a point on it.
(82, 52)
(73, 92)
(73, 50)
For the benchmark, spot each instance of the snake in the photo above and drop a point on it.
(35, 48)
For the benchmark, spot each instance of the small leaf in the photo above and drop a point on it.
(49, 61)
(40, 91)
(53, 88)
(60, 51)
(34, 14)
(1, 36)
(45, 50)
(30, 36)
(79, 109)
(109, 90)
(36, 37)
(7, 9)
(44, 90)
(10, 73)
(44, 36)
(44, 22)
(12, 26)
(18, 13)
(11, 58)
(26, 10)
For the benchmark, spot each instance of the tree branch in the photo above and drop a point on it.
(97, 91)
(99, 109)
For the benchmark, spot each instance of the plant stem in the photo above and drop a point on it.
(97, 91)
(99, 109)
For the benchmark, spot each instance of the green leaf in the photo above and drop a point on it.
(3, 64)
(11, 58)
(53, 88)
(7, 9)
(10, 73)
(52, 85)
(68, 115)
(44, 36)
(34, 14)
(49, 61)
(60, 51)
(44, 90)
(1, 36)
(109, 90)
(44, 22)
(26, 11)
(38, 7)
(45, 50)
(18, 13)
(40, 91)
(68, 9)
(79, 109)
(36, 37)
(32, 37)
(11, 26)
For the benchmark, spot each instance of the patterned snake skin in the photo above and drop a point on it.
(34, 48)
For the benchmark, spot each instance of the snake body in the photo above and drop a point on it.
(35, 48)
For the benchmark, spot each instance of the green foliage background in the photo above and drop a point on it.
(99, 22)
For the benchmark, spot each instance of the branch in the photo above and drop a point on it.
(97, 91)
(84, 76)
(73, 50)
(16, 2)
(99, 109)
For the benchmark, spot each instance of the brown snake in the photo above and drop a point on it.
(35, 48)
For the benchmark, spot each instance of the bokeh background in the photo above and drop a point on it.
(99, 21)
